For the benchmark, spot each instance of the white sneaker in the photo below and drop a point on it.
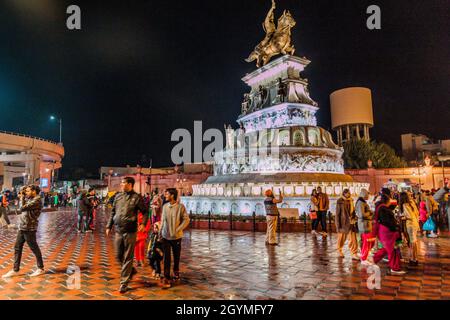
(400, 272)
(11, 274)
(385, 259)
(313, 232)
(366, 263)
(433, 235)
(38, 272)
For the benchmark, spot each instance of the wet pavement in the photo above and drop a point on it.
(216, 265)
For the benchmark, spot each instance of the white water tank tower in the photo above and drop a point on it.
(351, 113)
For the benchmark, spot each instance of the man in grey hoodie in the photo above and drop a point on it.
(174, 220)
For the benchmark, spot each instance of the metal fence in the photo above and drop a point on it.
(254, 220)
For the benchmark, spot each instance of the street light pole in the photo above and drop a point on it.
(60, 130)
(60, 127)
(420, 183)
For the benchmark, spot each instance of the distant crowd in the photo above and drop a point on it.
(381, 227)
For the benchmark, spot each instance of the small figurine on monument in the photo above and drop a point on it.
(246, 103)
(282, 91)
(262, 95)
(229, 137)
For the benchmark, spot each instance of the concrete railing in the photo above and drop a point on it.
(28, 136)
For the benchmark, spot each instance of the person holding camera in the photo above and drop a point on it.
(30, 206)
(272, 216)
(4, 208)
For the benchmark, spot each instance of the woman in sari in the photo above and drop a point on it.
(411, 213)
(387, 229)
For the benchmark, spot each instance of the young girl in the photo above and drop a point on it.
(313, 207)
(423, 214)
(141, 239)
(155, 251)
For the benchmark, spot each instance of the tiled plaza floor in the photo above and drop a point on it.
(217, 265)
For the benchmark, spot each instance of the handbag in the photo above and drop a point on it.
(313, 215)
(429, 225)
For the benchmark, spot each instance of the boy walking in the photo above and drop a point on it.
(173, 221)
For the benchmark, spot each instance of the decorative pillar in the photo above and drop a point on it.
(348, 132)
(357, 132)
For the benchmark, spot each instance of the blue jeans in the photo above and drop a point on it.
(322, 218)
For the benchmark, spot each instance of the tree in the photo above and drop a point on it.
(358, 152)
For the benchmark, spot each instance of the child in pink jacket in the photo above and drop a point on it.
(423, 214)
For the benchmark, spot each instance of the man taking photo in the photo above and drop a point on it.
(30, 206)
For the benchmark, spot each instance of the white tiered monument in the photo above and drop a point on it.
(278, 144)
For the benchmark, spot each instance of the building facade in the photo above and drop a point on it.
(416, 147)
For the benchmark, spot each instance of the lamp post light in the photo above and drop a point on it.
(109, 179)
(60, 127)
(443, 158)
(140, 178)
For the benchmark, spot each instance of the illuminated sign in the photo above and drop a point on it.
(44, 183)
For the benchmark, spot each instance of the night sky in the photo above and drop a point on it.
(140, 69)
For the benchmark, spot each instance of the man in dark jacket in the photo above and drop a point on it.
(85, 207)
(124, 217)
(30, 208)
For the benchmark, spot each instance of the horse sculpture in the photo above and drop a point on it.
(277, 39)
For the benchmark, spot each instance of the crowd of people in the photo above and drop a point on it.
(394, 219)
(146, 228)
(132, 217)
(150, 228)
(58, 199)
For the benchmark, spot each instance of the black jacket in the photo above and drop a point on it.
(156, 251)
(30, 210)
(125, 210)
(386, 218)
